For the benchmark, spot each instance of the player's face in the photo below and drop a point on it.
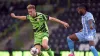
(31, 12)
(80, 11)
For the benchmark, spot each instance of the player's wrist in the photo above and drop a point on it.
(62, 22)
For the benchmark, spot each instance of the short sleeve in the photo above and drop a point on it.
(27, 17)
(46, 17)
(90, 16)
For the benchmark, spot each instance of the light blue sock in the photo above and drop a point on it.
(94, 51)
(70, 44)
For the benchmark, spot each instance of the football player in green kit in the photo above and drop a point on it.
(39, 23)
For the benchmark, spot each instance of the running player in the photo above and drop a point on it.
(87, 33)
(39, 23)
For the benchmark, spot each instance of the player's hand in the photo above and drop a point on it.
(66, 25)
(91, 27)
(13, 15)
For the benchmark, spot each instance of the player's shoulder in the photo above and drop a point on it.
(39, 13)
(28, 16)
(89, 14)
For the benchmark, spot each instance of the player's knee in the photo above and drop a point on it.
(92, 47)
(45, 46)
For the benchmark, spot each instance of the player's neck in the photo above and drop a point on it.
(84, 12)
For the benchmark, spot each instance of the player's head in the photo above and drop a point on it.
(31, 10)
(82, 9)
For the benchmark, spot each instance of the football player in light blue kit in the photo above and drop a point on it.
(86, 34)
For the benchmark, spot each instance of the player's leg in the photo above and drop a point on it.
(46, 46)
(92, 48)
(38, 42)
(73, 38)
(70, 41)
(90, 38)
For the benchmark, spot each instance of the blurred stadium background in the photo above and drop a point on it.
(17, 35)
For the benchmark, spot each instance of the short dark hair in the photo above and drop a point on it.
(84, 6)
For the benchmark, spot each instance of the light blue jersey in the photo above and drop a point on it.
(87, 34)
(86, 28)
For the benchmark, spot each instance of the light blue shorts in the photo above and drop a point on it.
(85, 37)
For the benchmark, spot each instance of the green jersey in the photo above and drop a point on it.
(39, 23)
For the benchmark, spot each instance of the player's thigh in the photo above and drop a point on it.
(38, 41)
(74, 37)
(90, 38)
(80, 36)
(91, 43)
(38, 38)
(45, 42)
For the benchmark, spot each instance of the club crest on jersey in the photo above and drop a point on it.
(37, 19)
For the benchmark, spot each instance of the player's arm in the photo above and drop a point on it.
(18, 17)
(90, 22)
(59, 21)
